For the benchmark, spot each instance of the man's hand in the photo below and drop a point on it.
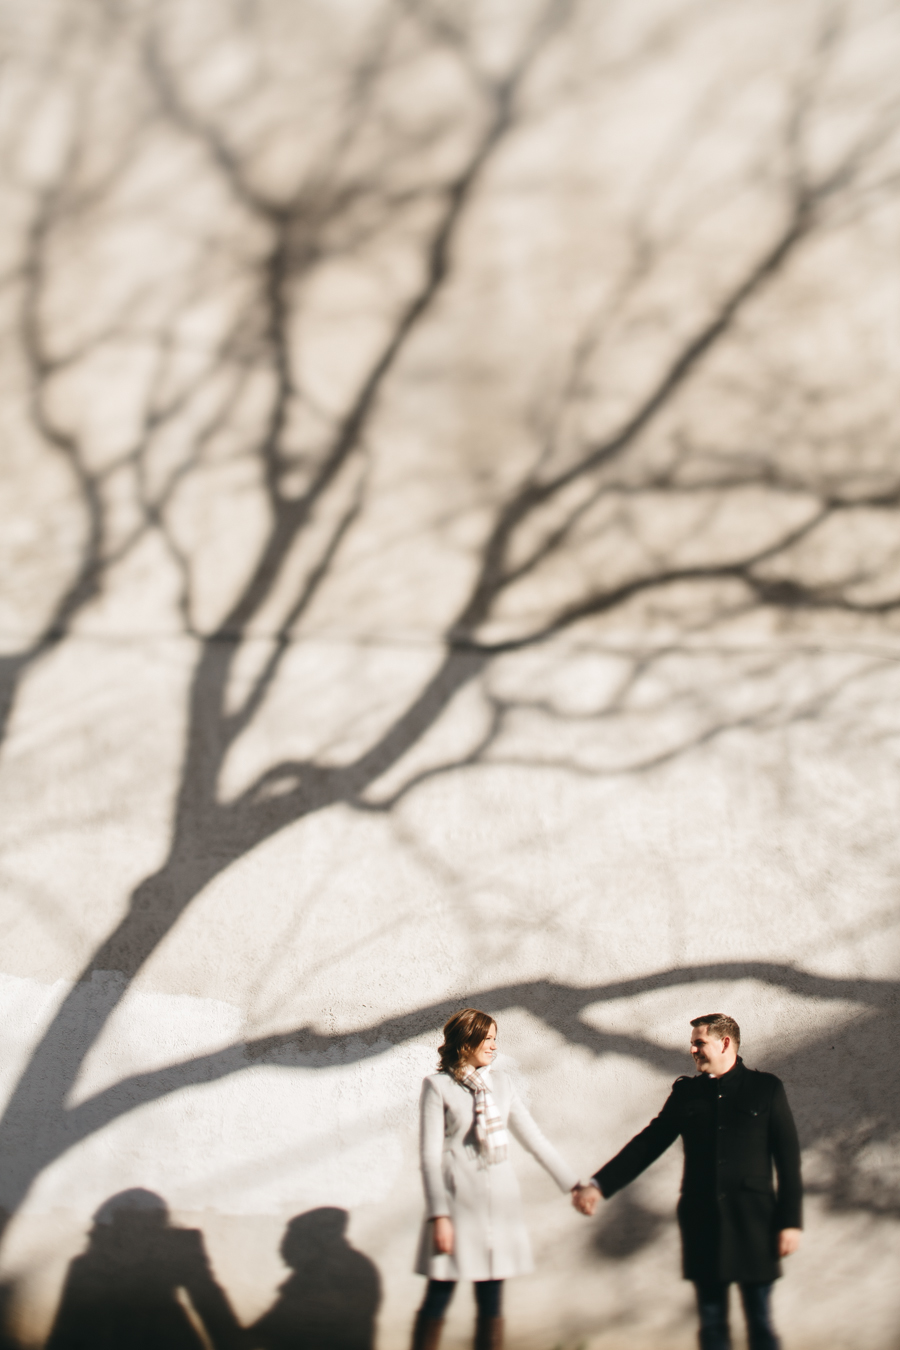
(788, 1241)
(585, 1199)
(443, 1235)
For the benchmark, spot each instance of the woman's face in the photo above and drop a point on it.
(483, 1054)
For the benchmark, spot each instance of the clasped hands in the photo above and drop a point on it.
(585, 1199)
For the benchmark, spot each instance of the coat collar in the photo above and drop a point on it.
(730, 1081)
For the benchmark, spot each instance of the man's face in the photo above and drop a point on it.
(710, 1055)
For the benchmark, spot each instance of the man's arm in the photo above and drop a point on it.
(786, 1157)
(640, 1152)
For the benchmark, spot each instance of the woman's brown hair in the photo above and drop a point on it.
(463, 1032)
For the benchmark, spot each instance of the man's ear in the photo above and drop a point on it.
(726, 1042)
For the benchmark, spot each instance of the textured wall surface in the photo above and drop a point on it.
(451, 489)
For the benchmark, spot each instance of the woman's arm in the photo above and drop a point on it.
(523, 1128)
(431, 1150)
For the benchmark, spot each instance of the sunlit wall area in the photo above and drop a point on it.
(451, 489)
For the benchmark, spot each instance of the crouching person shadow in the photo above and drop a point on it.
(331, 1298)
(142, 1284)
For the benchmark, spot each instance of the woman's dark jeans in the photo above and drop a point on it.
(712, 1305)
(488, 1296)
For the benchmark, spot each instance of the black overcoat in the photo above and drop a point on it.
(734, 1129)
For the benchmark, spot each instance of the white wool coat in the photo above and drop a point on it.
(490, 1241)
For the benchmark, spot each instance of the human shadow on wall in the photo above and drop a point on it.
(330, 1299)
(142, 1284)
(626, 1226)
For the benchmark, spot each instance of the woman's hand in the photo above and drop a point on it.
(443, 1235)
(585, 1199)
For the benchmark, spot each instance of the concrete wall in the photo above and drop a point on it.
(449, 539)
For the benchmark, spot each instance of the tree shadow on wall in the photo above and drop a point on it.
(142, 1284)
(594, 506)
(331, 1298)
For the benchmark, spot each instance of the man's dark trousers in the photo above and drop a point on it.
(712, 1305)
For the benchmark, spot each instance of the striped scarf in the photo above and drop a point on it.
(489, 1128)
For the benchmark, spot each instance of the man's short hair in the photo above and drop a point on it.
(720, 1025)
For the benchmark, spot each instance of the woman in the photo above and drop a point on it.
(473, 1226)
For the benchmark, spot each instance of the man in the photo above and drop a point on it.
(735, 1123)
